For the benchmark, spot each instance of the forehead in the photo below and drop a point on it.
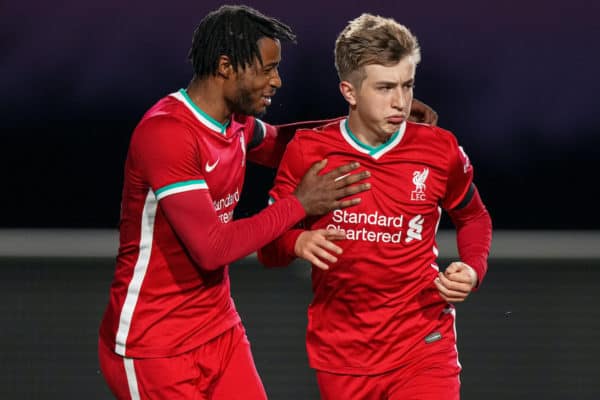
(403, 71)
(270, 50)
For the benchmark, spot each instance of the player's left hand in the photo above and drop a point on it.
(456, 282)
(318, 247)
(422, 113)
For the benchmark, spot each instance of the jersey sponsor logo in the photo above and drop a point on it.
(371, 227)
(209, 167)
(419, 178)
(375, 219)
(225, 205)
(415, 228)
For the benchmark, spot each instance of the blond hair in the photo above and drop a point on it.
(372, 39)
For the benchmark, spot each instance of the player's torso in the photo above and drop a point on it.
(175, 295)
(223, 162)
(366, 304)
(396, 220)
(221, 154)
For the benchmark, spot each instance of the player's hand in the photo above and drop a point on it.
(320, 194)
(317, 246)
(456, 282)
(421, 112)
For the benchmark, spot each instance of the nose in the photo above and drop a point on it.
(399, 99)
(275, 80)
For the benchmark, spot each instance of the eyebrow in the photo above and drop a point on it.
(394, 83)
(270, 65)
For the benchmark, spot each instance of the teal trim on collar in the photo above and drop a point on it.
(221, 126)
(372, 150)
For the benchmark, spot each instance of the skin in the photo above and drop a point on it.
(385, 97)
(378, 106)
(422, 113)
(248, 91)
(245, 90)
(251, 89)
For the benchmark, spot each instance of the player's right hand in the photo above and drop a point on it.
(320, 194)
(422, 113)
(317, 246)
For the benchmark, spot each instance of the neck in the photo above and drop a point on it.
(208, 95)
(362, 132)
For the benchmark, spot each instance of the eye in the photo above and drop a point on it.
(270, 70)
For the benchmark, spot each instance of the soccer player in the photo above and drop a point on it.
(381, 323)
(171, 329)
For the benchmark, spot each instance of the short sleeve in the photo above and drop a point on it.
(166, 155)
(290, 171)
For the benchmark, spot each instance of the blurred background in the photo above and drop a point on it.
(516, 82)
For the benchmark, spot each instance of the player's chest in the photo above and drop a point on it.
(222, 162)
(400, 184)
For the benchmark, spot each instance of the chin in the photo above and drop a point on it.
(393, 128)
(259, 112)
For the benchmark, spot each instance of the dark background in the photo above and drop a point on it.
(530, 333)
(515, 81)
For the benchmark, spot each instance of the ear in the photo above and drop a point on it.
(349, 92)
(224, 68)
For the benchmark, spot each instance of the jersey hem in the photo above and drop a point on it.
(160, 352)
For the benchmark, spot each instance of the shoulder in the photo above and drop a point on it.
(162, 131)
(243, 119)
(433, 137)
(167, 115)
(320, 133)
(430, 131)
(252, 127)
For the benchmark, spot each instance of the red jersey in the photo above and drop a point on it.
(375, 304)
(161, 303)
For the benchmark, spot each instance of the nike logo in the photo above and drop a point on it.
(209, 167)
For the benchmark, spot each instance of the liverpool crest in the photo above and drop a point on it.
(419, 178)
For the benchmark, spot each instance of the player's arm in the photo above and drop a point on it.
(280, 252)
(314, 246)
(212, 244)
(268, 142)
(473, 237)
(422, 113)
(171, 167)
(318, 246)
(473, 231)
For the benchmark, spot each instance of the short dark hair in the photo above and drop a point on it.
(233, 31)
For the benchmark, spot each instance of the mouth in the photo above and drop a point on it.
(267, 99)
(396, 119)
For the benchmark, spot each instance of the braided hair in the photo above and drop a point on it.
(232, 31)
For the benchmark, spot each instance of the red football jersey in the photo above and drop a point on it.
(161, 303)
(373, 307)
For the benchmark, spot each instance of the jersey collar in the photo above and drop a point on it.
(200, 115)
(375, 152)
